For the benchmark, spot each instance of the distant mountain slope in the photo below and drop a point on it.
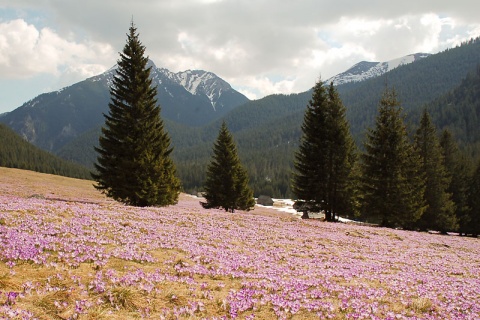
(17, 153)
(459, 110)
(194, 98)
(416, 84)
(365, 70)
(53, 119)
(267, 130)
(202, 83)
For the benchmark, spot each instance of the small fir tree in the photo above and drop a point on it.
(439, 214)
(134, 164)
(392, 181)
(324, 161)
(226, 183)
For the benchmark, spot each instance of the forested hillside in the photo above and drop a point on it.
(416, 84)
(52, 120)
(265, 147)
(17, 153)
(459, 111)
(267, 131)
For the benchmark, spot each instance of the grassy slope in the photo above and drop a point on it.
(69, 252)
(25, 183)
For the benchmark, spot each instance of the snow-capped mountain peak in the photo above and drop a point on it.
(196, 82)
(199, 82)
(365, 70)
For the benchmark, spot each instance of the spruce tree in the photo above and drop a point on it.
(439, 214)
(341, 157)
(392, 181)
(226, 183)
(458, 168)
(473, 226)
(134, 164)
(324, 161)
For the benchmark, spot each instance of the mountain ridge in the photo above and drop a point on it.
(268, 129)
(364, 70)
(200, 82)
(197, 81)
(193, 98)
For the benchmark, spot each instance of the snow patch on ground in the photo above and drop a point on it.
(286, 205)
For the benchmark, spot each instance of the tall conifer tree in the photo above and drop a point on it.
(134, 164)
(392, 182)
(226, 183)
(439, 214)
(473, 226)
(458, 168)
(341, 157)
(325, 158)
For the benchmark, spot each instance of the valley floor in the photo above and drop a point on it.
(67, 252)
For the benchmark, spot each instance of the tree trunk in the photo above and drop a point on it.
(328, 216)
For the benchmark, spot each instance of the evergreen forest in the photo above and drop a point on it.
(432, 112)
(17, 153)
(268, 131)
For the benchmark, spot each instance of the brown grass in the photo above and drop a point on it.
(47, 304)
(9, 282)
(49, 186)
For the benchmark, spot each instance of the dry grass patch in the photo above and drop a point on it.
(28, 183)
(97, 313)
(421, 305)
(8, 282)
(125, 298)
(357, 234)
(54, 305)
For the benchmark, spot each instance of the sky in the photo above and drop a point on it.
(260, 47)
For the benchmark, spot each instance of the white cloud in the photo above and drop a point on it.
(260, 47)
(26, 52)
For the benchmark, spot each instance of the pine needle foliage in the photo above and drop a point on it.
(459, 169)
(325, 158)
(226, 183)
(440, 212)
(473, 226)
(392, 179)
(134, 164)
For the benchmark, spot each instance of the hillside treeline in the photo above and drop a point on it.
(417, 183)
(18, 153)
(417, 84)
(267, 131)
(267, 150)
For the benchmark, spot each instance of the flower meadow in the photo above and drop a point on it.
(69, 259)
